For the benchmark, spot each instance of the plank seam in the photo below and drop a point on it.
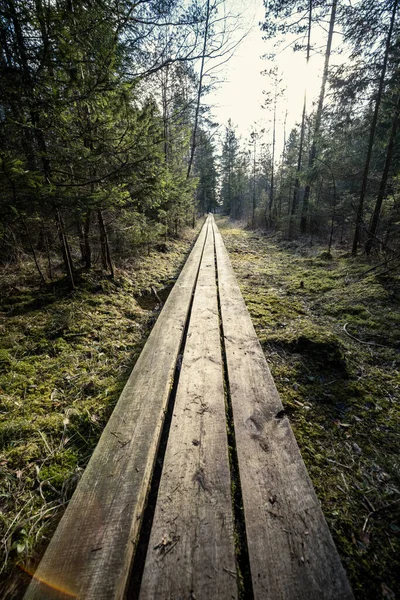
(291, 549)
(244, 580)
(139, 560)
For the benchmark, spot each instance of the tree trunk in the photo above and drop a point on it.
(382, 188)
(296, 190)
(43, 25)
(105, 247)
(65, 249)
(86, 248)
(199, 90)
(289, 211)
(318, 117)
(303, 120)
(333, 217)
(282, 166)
(253, 213)
(342, 228)
(49, 265)
(164, 85)
(360, 208)
(271, 196)
(41, 142)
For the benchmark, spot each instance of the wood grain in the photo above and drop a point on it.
(291, 551)
(91, 551)
(191, 554)
(191, 550)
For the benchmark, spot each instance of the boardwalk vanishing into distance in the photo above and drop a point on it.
(197, 489)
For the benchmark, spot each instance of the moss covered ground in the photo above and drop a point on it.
(331, 334)
(64, 359)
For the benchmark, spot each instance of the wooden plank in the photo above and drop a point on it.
(191, 549)
(91, 551)
(292, 554)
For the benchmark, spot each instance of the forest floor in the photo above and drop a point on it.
(64, 360)
(331, 334)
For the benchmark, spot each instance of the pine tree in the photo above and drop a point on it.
(205, 170)
(229, 159)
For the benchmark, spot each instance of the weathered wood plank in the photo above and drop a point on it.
(191, 549)
(91, 551)
(292, 555)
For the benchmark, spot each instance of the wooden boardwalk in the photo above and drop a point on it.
(233, 513)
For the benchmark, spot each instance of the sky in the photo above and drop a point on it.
(240, 95)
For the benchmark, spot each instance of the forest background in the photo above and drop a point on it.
(109, 152)
(107, 145)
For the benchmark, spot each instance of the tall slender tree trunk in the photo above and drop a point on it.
(49, 265)
(289, 211)
(282, 165)
(271, 194)
(39, 136)
(302, 131)
(296, 190)
(43, 20)
(342, 228)
(363, 191)
(253, 212)
(86, 241)
(333, 217)
(382, 188)
(318, 117)
(284, 135)
(199, 90)
(65, 249)
(105, 246)
(164, 86)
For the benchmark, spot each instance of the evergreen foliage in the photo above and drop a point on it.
(206, 170)
(338, 176)
(96, 119)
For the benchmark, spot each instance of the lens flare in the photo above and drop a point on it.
(61, 591)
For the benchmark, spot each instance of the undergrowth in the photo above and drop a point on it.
(64, 359)
(331, 335)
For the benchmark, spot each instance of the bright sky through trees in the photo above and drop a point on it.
(240, 95)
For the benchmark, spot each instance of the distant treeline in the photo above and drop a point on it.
(338, 177)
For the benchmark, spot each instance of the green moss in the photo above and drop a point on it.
(64, 359)
(62, 466)
(340, 394)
